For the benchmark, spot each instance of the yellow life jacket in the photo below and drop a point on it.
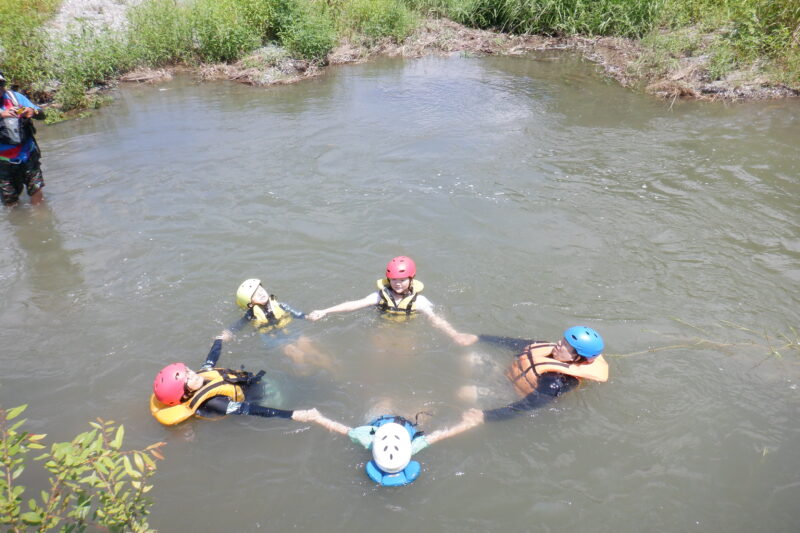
(535, 360)
(406, 306)
(216, 382)
(273, 318)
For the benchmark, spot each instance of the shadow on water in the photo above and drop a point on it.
(48, 267)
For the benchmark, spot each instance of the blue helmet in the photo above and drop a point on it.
(586, 341)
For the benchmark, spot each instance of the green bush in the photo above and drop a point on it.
(307, 30)
(222, 31)
(378, 19)
(92, 483)
(87, 58)
(631, 18)
(160, 32)
(766, 27)
(23, 45)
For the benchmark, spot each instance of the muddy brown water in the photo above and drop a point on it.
(532, 193)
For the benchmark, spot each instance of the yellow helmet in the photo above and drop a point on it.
(246, 291)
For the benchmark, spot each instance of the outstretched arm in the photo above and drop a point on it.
(344, 307)
(470, 419)
(222, 405)
(216, 349)
(291, 310)
(312, 415)
(514, 343)
(463, 339)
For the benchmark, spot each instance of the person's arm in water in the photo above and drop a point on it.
(327, 423)
(344, 307)
(222, 405)
(216, 350)
(426, 307)
(513, 343)
(291, 310)
(470, 419)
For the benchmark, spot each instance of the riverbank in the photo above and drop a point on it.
(671, 49)
(625, 60)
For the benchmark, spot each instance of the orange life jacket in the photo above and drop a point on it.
(535, 360)
(217, 382)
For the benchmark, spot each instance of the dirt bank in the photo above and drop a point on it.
(619, 58)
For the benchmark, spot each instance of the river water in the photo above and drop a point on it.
(533, 195)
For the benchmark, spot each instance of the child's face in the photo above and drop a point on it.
(193, 381)
(400, 285)
(260, 297)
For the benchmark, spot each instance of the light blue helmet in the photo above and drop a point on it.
(586, 341)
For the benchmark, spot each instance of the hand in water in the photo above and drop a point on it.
(315, 315)
(465, 339)
(472, 417)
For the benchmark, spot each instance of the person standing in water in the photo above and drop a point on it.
(20, 166)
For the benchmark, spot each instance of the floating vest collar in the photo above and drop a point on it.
(398, 479)
(267, 318)
(406, 305)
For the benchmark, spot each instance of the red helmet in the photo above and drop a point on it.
(169, 384)
(401, 267)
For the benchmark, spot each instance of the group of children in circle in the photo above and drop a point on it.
(540, 372)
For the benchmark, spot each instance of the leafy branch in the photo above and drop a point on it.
(93, 483)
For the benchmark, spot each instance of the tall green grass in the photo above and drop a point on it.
(629, 18)
(742, 32)
(376, 19)
(22, 43)
(306, 28)
(87, 58)
(745, 32)
(159, 33)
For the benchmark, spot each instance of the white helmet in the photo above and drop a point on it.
(391, 448)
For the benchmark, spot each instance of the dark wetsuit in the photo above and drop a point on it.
(550, 385)
(222, 405)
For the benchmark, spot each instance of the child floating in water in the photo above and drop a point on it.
(399, 293)
(179, 393)
(271, 318)
(393, 440)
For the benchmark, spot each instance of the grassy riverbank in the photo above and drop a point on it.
(717, 43)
